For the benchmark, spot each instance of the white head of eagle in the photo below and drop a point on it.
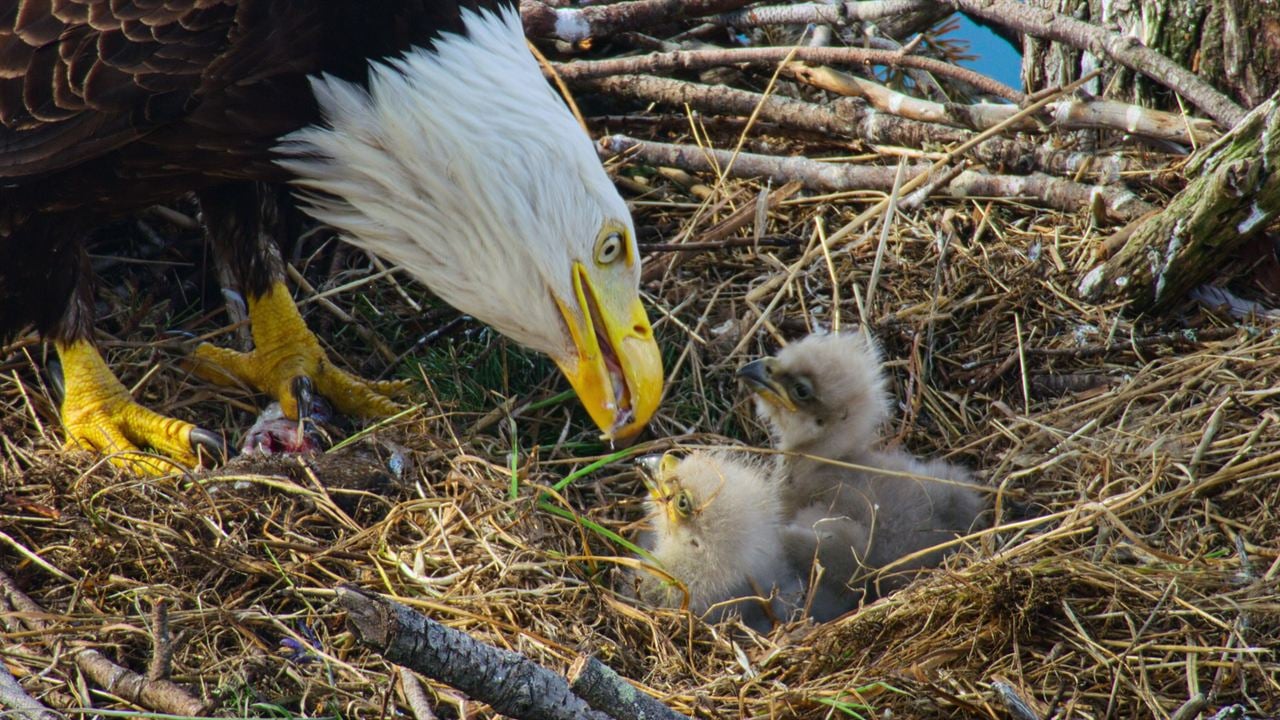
(460, 164)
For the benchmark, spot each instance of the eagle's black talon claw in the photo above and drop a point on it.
(207, 444)
(57, 381)
(304, 392)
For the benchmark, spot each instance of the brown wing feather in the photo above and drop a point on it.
(111, 105)
(101, 70)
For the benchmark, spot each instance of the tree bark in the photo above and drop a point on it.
(1233, 194)
(509, 682)
(1234, 45)
(608, 692)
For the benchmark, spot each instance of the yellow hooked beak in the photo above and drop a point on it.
(616, 369)
(761, 378)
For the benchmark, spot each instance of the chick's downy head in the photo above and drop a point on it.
(825, 395)
(715, 528)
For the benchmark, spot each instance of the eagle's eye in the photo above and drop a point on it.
(610, 248)
(802, 390)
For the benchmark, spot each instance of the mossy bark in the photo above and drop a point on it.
(1232, 44)
(1233, 193)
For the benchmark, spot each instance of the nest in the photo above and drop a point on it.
(1146, 582)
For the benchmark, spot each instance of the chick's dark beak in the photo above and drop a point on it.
(761, 377)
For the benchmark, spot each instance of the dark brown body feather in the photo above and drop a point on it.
(108, 106)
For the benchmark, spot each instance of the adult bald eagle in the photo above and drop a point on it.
(421, 130)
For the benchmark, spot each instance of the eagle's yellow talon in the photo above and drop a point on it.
(284, 350)
(99, 414)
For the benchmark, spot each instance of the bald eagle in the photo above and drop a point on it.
(422, 131)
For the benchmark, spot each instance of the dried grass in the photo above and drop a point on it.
(1150, 578)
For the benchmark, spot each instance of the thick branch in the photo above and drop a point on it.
(1053, 192)
(831, 177)
(694, 60)
(815, 175)
(824, 13)
(1234, 195)
(509, 682)
(21, 705)
(1121, 48)
(578, 24)
(1067, 114)
(836, 119)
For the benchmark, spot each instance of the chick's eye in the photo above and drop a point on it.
(611, 248)
(802, 391)
(684, 505)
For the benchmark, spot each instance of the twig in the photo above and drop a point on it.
(692, 60)
(1192, 708)
(415, 696)
(608, 692)
(593, 21)
(815, 175)
(1053, 192)
(869, 304)
(173, 217)
(1017, 707)
(721, 231)
(21, 705)
(718, 244)
(509, 682)
(160, 695)
(1123, 49)
(161, 642)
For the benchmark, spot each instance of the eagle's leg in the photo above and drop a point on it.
(242, 222)
(99, 414)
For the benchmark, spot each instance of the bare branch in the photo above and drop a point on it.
(1052, 192)
(608, 692)
(692, 60)
(829, 14)
(593, 21)
(21, 705)
(161, 642)
(1133, 119)
(837, 119)
(509, 682)
(415, 696)
(815, 175)
(831, 177)
(1123, 49)
(1068, 114)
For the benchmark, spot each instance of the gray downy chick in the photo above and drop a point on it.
(872, 529)
(825, 396)
(857, 510)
